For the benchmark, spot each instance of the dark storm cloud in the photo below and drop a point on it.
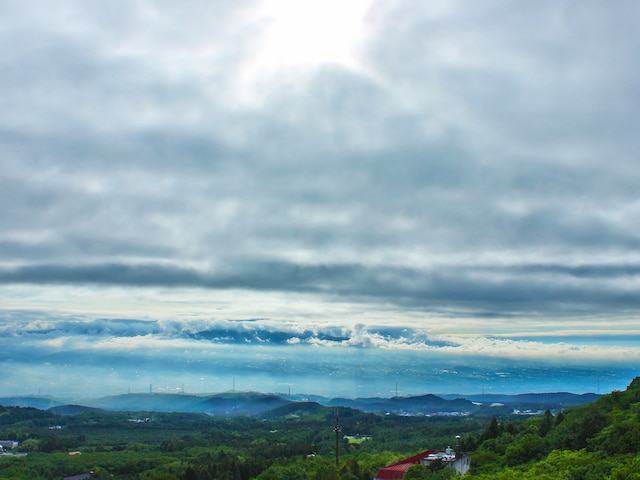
(503, 290)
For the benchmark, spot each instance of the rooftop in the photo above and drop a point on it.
(398, 470)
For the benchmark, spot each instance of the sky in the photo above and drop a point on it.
(322, 196)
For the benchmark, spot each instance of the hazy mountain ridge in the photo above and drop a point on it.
(71, 409)
(254, 403)
(421, 404)
(41, 403)
(532, 400)
(225, 404)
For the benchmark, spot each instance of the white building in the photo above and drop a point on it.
(8, 444)
(460, 463)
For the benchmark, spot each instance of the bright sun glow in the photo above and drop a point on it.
(308, 33)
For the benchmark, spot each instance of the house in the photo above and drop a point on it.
(8, 444)
(460, 462)
(398, 470)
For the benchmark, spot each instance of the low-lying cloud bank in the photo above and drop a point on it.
(103, 335)
(93, 356)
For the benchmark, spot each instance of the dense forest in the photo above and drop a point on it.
(599, 440)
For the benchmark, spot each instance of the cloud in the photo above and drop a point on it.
(469, 164)
(526, 350)
(478, 289)
(118, 336)
(331, 360)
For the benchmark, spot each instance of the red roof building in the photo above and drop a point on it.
(398, 470)
(461, 463)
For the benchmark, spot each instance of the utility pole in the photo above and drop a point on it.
(337, 430)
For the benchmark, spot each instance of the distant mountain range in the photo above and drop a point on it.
(233, 404)
(41, 403)
(424, 404)
(533, 400)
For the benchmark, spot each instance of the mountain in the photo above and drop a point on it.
(157, 402)
(298, 411)
(70, 409)
(224, 404)
(231, 404)
(428, 404)
(236, 404)
(41, 403)
(536, 401)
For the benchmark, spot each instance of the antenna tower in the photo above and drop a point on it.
(337, 430)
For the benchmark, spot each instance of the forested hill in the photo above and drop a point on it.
(599, 440)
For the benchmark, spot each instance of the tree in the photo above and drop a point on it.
(492, 430)
(547, 423)
(628, 471)
(190, 474)
(325, 472)
(529, 447)
(436, 465)
(350, 467)
(416, 471)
